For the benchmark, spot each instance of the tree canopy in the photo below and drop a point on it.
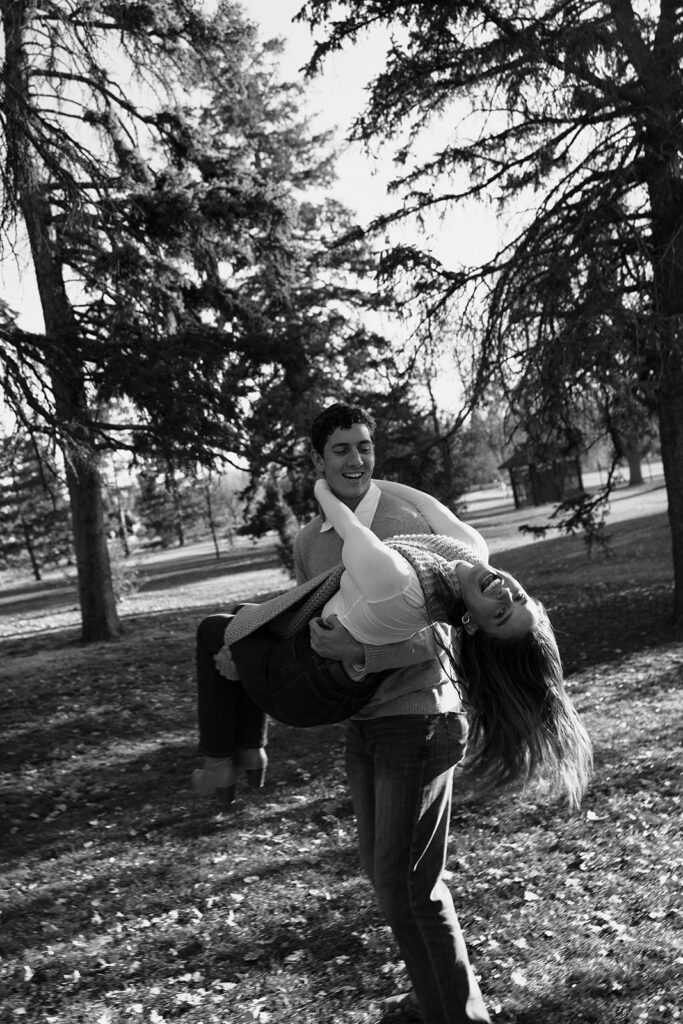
(196, 297)
(567, 114)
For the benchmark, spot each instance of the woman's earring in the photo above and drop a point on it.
(468, 623)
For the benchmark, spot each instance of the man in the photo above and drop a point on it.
(402, 746)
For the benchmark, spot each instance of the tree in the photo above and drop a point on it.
(632, 430)
(156, 505)
(272, 512)
(570, 110)
(34, 516)
(192, 299)
(437, 452)
(218, 507)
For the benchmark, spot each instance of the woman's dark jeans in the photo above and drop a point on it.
(285, 679)
(293, 684)
(228, 717)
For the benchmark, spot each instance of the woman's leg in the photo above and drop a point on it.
(232, 728)
(228, 718)
(295, 685)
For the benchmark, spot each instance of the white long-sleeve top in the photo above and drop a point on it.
(380, 600)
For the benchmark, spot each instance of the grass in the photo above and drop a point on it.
(124, 901)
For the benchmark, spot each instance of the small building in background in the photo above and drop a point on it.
(536, 482)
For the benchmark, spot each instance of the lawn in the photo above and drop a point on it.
(122, 900)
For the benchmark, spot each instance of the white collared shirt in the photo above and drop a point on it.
(365, 509)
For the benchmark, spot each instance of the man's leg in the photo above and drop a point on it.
(400, 772)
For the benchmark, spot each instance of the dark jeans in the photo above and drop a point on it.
(285, 679)
(400, 772)
(228, 717)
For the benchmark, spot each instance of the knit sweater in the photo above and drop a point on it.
(316, 552)
(417, 687)
(288, 613)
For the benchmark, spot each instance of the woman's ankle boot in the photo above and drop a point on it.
(253, 761)
(216, 777)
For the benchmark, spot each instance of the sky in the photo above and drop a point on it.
(469, 235)
(336, 97)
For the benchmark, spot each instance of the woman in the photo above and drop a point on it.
(523, 725)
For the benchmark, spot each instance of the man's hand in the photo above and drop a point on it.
(331, 640)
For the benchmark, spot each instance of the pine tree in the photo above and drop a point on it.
(34, 520)
(570, 111)
(196, 304)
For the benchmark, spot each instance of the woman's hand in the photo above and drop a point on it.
(321, 486)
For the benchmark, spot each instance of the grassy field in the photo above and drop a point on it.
(124, 901)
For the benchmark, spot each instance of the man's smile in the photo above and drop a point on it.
(347, 462)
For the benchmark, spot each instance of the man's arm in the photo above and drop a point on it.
(332, 640)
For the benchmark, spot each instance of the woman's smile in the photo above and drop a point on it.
(496, 601)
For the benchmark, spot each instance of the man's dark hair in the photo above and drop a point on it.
(338, 415)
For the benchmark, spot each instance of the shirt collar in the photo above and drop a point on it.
(365, 510)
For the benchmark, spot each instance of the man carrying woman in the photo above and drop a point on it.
(407, 728)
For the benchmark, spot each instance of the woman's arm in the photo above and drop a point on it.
(379, 572)
(439, 516)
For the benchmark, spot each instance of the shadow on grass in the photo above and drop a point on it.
(134, 772)
(74, 716)
(595, 995)
(116, 876)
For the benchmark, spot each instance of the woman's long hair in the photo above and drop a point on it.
(523, 725)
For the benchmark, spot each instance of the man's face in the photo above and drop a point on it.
(347, 463)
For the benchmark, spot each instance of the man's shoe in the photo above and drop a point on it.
(401, 1007)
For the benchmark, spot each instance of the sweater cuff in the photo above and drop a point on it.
(375, 659)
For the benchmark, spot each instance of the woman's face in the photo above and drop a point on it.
(497, 603)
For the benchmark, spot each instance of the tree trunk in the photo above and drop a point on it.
(209, 516)
(96, 595)
(123, 530)
(95, 592)
(29, 547)
(671, 434)
(635, 466)
(63, 359)
(666, 198)
(177, 511)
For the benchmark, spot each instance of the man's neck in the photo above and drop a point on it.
(351, 503)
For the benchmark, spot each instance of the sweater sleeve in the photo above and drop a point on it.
(416, 650)
(439, 517)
